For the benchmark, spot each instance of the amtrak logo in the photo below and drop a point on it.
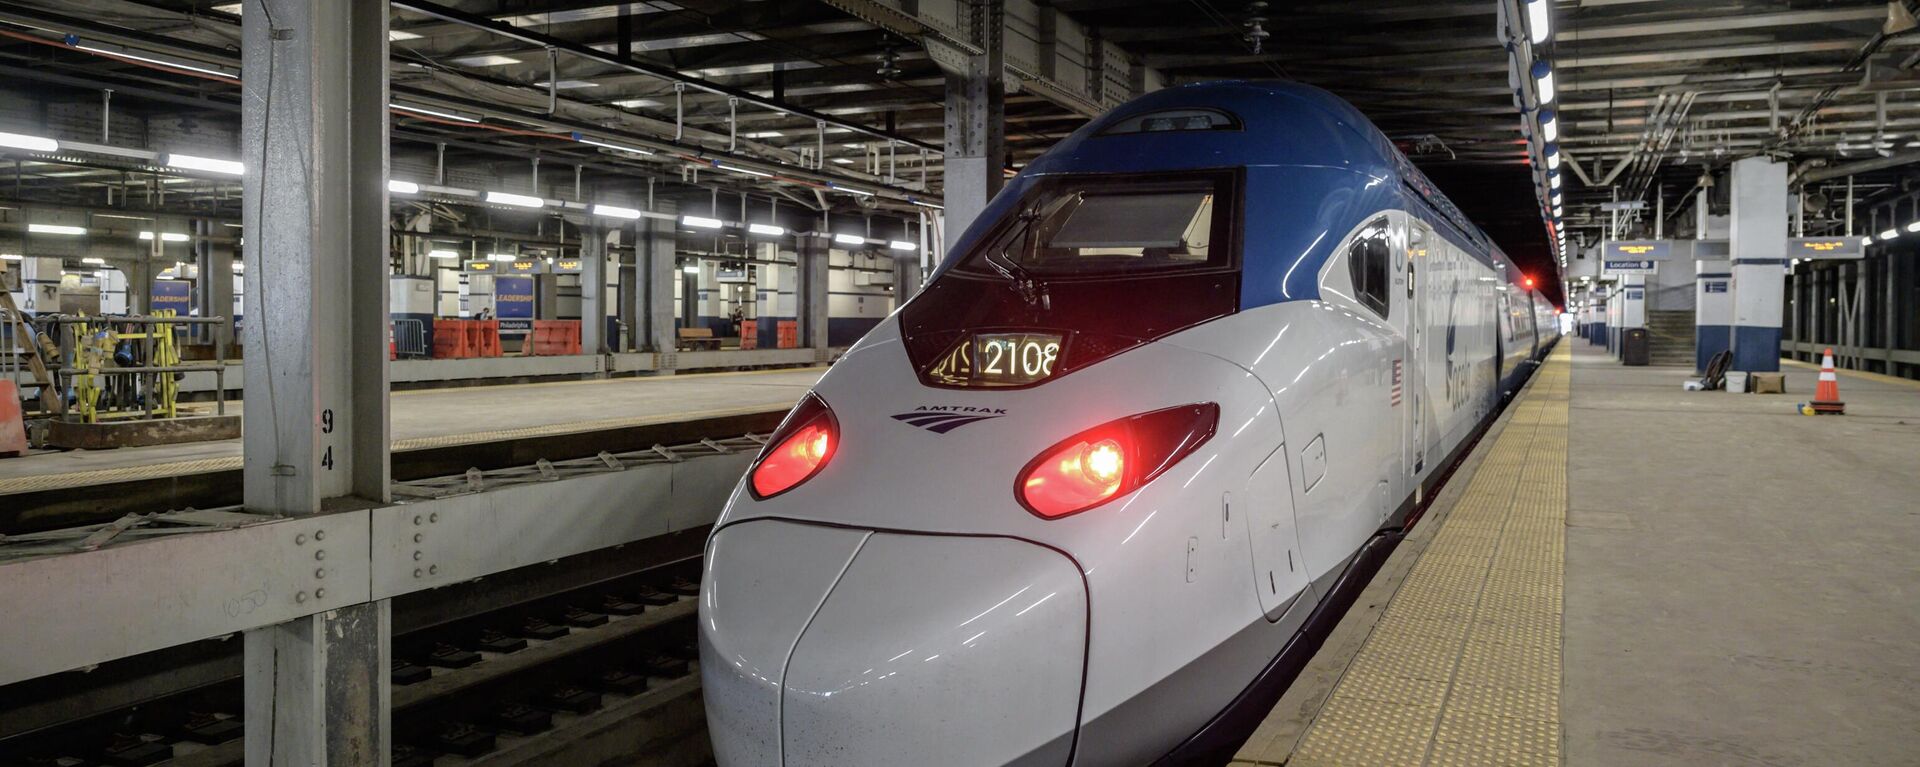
(941, 419)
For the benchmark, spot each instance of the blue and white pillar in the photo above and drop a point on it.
(1758, 240)
(1713, 310)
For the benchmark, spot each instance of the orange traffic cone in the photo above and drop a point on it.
(1826, 396)
(13, 431)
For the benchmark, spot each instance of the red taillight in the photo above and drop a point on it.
(1112, 459)
(798, 449)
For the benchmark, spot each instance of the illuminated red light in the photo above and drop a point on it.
(799, 448)
(1527, 281)
(1112, 459)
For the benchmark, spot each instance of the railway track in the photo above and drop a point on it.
(585, 674)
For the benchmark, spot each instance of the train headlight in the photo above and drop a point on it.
(798, 449)
(1110, 460)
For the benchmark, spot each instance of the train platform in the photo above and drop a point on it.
(1625, 573)
(428, 418)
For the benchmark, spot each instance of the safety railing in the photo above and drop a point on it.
(410, 339)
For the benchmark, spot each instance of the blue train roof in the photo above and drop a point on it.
(1316, 165)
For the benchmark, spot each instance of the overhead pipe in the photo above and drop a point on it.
(530, 37)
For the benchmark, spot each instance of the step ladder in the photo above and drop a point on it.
(23, 341)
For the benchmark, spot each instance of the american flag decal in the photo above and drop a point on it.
(1396, 384)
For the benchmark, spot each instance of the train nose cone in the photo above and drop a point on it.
(917, 649)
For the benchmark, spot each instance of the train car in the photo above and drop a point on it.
(1095, 494)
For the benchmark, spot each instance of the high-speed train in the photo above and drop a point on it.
(1096, 493)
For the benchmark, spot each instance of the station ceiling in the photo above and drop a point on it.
(1653, 92)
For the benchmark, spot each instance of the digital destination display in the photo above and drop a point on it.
(999, 359)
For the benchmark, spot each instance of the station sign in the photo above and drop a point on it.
(524, 266)
(1636, 294)
(1642, 250)
(1714, 286)
(567, 266)
(513, 304)
(1630, 266)
(481, 267)
(1826, 247)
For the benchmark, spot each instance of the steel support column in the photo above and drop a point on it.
(314, 127)
(593, 288)
(976, 120)
(213, 292)
(812, 292)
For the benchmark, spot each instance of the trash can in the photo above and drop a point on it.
(1633, 346)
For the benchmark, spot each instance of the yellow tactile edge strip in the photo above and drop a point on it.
(1464, 666)
(43, 482)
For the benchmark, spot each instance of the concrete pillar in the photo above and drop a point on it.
(653, 262)
(1759, 246)
(976, 120)
(316, 356)
(593, 288)
(813, 276)
(1713, 310)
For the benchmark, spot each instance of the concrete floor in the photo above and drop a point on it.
(1742, 582)
(434, 413)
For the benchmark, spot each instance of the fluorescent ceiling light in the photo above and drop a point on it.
(850, 190)
(766, 229)
(763, 134)
(435, 113)
(443, 254)
(742, 171)
(160, 62)
(849, 239)
(233, 8)
(901, 245)
(925, 204)
(520, 200)
(29, 143)
(690, 269)
(488, 60)
(1914, 227)
(403, 187)
(400, 35)
(701, 222)
(609, 145)
(567, 85)
(1537, 24)
(239, 266)
(207, 164)
(843, 161)
(94, 261)
(55, 229)
(1549, 126)
(1543, 82)
(12, 257)
(1889, 234)
(166, 236)
(636, 103)
(501, 256)
(615, 211)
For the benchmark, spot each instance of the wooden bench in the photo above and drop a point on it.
(698, 338)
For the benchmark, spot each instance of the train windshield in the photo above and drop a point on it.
(1111, 227)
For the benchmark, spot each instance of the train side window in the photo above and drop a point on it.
(1368, 266)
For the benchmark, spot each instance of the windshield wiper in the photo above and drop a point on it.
(1030, 289)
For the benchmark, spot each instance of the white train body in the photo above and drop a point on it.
(912, 599)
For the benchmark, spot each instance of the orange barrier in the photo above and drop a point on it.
(483, 338)
(450, 339)
(749, 334)
(788, 334)
(553, 338)
(1826, 395)
(13, 424)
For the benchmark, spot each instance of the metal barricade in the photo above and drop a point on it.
(126, 367)
(410, 339)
